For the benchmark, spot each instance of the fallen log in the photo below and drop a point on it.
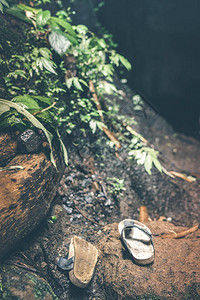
(25, 196)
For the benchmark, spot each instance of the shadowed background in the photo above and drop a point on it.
(161, 40)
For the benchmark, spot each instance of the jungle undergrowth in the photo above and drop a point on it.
(64, 78)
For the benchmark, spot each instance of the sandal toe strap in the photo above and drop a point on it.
(66, 263)
(130, 225)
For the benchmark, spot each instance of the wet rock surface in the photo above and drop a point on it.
(29, 142)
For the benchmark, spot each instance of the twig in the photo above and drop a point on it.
(111, 137)
(98, 105)
(75, 205)
(24, 266)
(182, 176)
(144, 216)
(103, 189)
(109, 134)
(47, 108)
(177, 235)
(41, 111)
(132, 131)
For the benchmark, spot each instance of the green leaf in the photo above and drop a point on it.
(65, 25)
(27, 8)
(141, 160)
(47, 118)
(9, 119)
(59, 42)
(48, 65)
(82, 29)
(34, 121)
(125, 62)
(42, 18)
(100, 125)
(102, 43)
(71, 39)
(69, 82)
(93, 126)
(20, 73)
(26, 102)
(18, 13)
(148, 163)
(4, 108)
(42, 99)
(63, 149)
(114, 58)
(3, 2)
(107, 87)
(38, 63)
(53, 25)
(83, 82)
(54, 218)
(157, 164)
(77, 83)
(45, 52)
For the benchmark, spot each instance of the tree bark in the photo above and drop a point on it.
(26, 196)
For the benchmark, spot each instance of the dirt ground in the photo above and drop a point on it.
(87, 200)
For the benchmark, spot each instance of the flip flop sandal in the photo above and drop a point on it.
(80, 262)
(137, 238)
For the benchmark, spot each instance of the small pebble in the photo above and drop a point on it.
(108, 202)
(68, 209)
(86, 182)
(88, 199)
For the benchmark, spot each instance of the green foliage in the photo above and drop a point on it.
(7, 105)
(137, 102)
(22, 106)
(144, 155)
(95, 60)
(39, 71)
(19, 70)
(99, 5)
(59, 41)
(116, 186)
(52, 219)
(3, 3)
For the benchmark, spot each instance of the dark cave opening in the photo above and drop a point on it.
(160, 39)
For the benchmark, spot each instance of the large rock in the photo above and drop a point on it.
(8, 147)
(25, 195)
(173, 275)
